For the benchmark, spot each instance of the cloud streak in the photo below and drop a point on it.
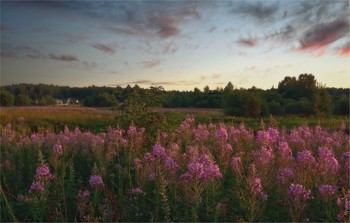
(257, 10)
(323, 35)
(248, 42)
(64, 57)
(150, 63)
(106, 48)
(210, 77)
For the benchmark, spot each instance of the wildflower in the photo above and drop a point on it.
(152, 176)
(236, 162)
(43, 173)
(164, 135)
(137, 191)
(36, 186)
(328, 164)
(221, 135)
(96, 181)
(284, 175)
(305, 158)
(299, 192)
(83, 194)
(284, 149)
(346, 159)
(203, 168)
(326, 190)
(57, 148)
(132, 130)
(170, 164)
(257, 189)
(159, 151)
(148, 157)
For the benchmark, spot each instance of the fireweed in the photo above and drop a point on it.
(197, 172)
(298, 195)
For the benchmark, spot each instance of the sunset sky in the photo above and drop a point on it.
(176, 44)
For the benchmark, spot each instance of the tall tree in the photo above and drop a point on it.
(322, 102)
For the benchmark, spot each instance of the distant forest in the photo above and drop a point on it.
(301, 95)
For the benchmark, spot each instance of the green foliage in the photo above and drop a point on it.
(232, 103)
(242, 103)
(322, 102)
(6, 98)
(302, 90)
(22, 100)
(341, 106)
(251, 106)
(275, 108)
(47, 100)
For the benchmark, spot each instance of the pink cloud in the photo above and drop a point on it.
(344, 51)
(319, 37)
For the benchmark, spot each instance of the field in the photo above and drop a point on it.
(205, 167)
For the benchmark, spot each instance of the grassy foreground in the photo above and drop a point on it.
(55, 118)
(194, 172)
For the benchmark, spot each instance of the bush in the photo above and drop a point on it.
(22, 100)
(6, 98)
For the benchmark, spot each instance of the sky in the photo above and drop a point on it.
(179, 45)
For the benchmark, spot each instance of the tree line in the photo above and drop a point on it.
(301, 95)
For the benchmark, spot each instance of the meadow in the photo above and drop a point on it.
(201, 168)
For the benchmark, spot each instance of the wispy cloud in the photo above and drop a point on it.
(322, 35)
(150, 63)
(210, 77)
(76, 38)
(8, 54)
(257, 10)
(161, 83)
(90, 64)
(344, 51)
(64, 57)
(248, 42)
(106, 48)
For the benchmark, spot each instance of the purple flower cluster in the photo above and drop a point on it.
(137, 191)
(83, 194)
(305, 158)
(284, 150)
(221, 134)
(203, 168)
(236, 163)
(43, 174)
(299, 192)
(285, 175)
(152, 176)
(257, 189)
(326, 190)
(263, 157)
(267, 138)
(159, 151)
(201, 133)
(328, 164)
(171, 164)
(36, 187)
(96, 181)
(346, 160)
(57, 149)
